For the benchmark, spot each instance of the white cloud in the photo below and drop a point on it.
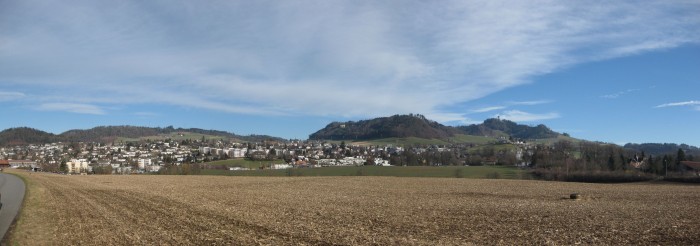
(146, 114)
(530, 103)
(677, 104)
(510, 104)
(71, 107)
(344, 58)
(618, 94)
(488, 109)
(520, 116)
(10, 95)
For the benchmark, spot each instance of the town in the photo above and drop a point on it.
(151, 156)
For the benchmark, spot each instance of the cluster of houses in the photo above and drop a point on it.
(17, 163)
(151, 156)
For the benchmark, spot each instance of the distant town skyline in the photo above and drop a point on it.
(615, 72)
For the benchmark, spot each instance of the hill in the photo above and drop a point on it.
(26, 135)
(663, 148)
(417, 126)
(499, 127)
(105, 134)
(397, 126)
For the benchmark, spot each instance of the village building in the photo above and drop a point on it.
(77, 166)
(692, 166)
(22, 163)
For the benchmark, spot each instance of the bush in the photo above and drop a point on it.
(683, 179)
(592, 177)
(494, 175)
(458, 173)
(183, 169)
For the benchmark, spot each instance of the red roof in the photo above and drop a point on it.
(4, 162)
(692, 164)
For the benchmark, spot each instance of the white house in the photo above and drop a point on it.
(281, 166)
(144, 162)
(77, 166)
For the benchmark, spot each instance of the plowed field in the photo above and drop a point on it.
(206, 210)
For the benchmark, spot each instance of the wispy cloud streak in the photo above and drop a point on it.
(619, 94)
(10, 95)
(488, 109)
(72, 108)
(530, 103)
(520, 116)
(678, 104)
(347, 58)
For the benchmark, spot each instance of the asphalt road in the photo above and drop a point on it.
(12, 191)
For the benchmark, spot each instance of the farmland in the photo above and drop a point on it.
(175, 210)
(408, 171)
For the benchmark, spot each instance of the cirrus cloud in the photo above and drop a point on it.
(345, 58)
(10, 95)
(677, 104)
(521, 116)
(71, 107)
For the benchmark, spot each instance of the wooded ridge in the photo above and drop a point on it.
(415, 125)
(104, 134)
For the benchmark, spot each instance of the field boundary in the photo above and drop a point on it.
(6, 238)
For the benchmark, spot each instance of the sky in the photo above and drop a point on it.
(610, 71)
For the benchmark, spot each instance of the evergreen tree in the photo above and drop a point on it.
(63, 167)
(680, 156)
(611, 163)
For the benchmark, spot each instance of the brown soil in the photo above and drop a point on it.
(206, 210)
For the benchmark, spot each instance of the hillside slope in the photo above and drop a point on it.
(105, 134)
(492, 127)
(397, 126)
(417, 126)
(26, 135)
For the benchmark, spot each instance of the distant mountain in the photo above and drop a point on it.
(397, 126)
(495, 127)
(104, 134)
(402, 126)
(26, 135)
(663, 148)
(109, 133)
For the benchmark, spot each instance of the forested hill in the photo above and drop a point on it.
(24, 135)
(401, 126)
(492, 127)
(663, 148)
(398, 126)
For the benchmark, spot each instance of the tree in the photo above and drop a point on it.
(63, 167)
(611, 163)
(369, 161)
(680, 156)
(272, 154)
(654, 166)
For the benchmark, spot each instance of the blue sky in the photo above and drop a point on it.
(617, 72)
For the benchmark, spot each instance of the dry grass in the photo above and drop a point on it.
(107, 210)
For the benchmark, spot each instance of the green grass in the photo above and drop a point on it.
(496, 148)
(404, 141)
(550, 141)
(412, 141)
(461, 138)
(242, 162)
(476, 172)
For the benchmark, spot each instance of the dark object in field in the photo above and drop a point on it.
(574, 196)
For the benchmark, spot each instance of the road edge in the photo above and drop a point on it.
(6, 238)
